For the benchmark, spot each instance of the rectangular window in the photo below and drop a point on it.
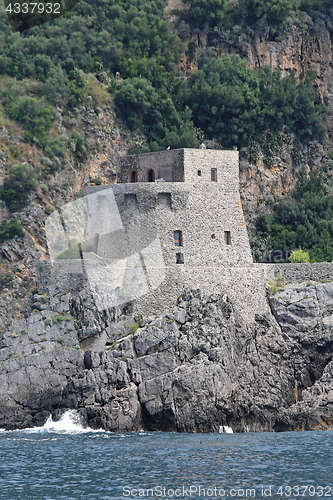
(199, 173)
(178, 237)
(179, 258)
(213, 174)
(227, 237)
(164, 199)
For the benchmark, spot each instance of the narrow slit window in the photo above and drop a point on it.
(179, 258)
(213, 175)
(178, 236)
(199, 173)
(151, 176)
(227, 237)
(134, 176)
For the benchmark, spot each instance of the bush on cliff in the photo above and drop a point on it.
(302, 220)
(275, 11)
(236, 104)
(9, 230)
(17, 187)
(35, 115)
(143, 105)
(206, 12)
(299, 256)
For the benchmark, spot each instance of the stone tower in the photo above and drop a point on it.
(173, 220)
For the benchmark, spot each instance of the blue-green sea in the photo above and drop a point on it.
(61, 460)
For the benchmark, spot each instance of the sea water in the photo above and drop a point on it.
(63, 460)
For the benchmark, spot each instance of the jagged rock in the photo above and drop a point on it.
(195, 369)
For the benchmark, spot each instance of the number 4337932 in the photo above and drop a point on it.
(33, 8)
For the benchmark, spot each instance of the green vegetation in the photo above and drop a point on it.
(274, 11)
(33, 114)
(302, 220)
(206, 12)
(6, 280)
(12, 229)
(61, 317)
(143, 105)
(299, 256)
(134, 327)
(277, 285)
(124, 53)
(236, 105)
(17, 187)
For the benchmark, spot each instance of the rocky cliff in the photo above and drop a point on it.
(198, 367)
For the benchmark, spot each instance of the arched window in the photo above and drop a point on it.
(151, 176)
(134, 176)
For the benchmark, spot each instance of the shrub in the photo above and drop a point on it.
(134, 327)
(237, 105)
(275, 11)
(299, 256)
(6, 280)
(303, 219)
(35, 116)
(275, 286)
(17, 187)
(206, 12)
(9, 230)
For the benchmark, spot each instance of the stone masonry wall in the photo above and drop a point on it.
(168, 165)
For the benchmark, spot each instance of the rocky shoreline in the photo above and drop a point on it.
(199, 367)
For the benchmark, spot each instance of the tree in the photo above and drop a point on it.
(206, 12)
(17, 187)
(275, 11)
(299, 256)
(9, 230)
(35, 116)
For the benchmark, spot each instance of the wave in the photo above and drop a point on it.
(69, 423)
(225, 429)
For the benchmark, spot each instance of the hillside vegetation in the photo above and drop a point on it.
(127, 54)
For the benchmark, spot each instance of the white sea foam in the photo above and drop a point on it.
(225, 429)
(69, 423)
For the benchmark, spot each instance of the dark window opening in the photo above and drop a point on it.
(134, 176)
(227, 237)
(213, 175)
(199, 173)
(151, 176)
(164, 199)
(213, 236)
(179, 258)
(131, 200)
(178, 236)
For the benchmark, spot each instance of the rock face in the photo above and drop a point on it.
(199, 367)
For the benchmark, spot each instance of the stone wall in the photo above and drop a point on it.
(167, 165)
(298, 273)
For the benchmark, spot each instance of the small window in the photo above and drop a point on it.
(151, 176)
(213, 236)
(213, 175)
(179, 258)
(199, 173)
(227, 237)
(164, 199)
(131, 200)
(178, 236)
(134, 176)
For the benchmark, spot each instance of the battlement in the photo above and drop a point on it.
(199, 166)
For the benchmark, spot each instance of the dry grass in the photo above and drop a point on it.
(99, 94)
